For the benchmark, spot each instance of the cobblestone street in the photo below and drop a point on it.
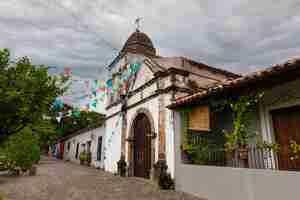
(58, 180)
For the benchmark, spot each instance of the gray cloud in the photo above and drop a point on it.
(237, 35)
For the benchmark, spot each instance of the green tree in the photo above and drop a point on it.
(73, 123)
(22, 149)
(26, 93)
(46, 131)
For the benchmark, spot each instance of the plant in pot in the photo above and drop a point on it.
(295, 150)
(88, 158)
(230, 145)
(242, 141)
(200, 155)
(83, 157)
(269, 146)
(242, 108)
(186, 151)
(32, 170)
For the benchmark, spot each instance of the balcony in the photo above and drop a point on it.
(253, 157)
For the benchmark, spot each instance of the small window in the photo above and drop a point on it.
(68, 146)
(99, 149)
(199, 119)
(77, 150)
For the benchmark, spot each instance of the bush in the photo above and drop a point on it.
(22, 150)
(89, 158)
(3, 160)
(166, 182)
(83, 156)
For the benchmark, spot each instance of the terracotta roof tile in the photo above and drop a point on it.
(258, 75)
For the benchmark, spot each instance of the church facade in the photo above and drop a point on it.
(138, 125)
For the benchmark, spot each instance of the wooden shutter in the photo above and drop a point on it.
(199, 119)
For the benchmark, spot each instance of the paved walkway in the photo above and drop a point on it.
(58, 180)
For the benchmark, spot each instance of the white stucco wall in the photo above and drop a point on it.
(144, 75)
(215, 183)
(169, 132)
(83, 139)
(112, 149)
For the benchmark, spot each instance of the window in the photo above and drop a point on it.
(199, 119)
(77, 150)
(68, 146)
(99, 149)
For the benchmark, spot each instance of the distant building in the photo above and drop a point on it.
(88, 140)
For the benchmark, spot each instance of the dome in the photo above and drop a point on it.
(139, 42)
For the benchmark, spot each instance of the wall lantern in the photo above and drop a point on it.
(152, 135)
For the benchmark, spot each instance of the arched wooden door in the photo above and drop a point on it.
(142, 146)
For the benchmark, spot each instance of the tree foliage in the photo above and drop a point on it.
(242, 107)
(71, 124)
(26, 93)
(21, 150)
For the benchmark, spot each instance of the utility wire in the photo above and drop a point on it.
(81, 24)
(84, 25)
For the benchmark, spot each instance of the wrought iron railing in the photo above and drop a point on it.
(256, 158)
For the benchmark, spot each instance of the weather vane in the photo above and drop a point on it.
(137, 23)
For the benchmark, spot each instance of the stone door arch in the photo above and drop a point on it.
(141, 144)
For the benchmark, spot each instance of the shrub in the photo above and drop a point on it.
(83, 156)
(22, 150)
(166, 182)
(3, 160)
(89, 158)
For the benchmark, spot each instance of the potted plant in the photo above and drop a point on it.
(270, 146)
(88, 158)
(200, 155)
(237, 141)
(295, 150)
(241, 107)
(230, 145)
(32, 170)
(186, 151)
(83, 157)
(243, 152)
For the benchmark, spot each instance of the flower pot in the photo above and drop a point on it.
(185, 158)
(14, 172)
(243, 152)
(229, 155)
(32, 171)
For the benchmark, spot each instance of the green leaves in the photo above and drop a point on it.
(26, 93)
(295, 150)
(242, 107)
(21, 150)
(4, 58)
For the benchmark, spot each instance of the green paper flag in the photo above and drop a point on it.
(94, 104)
(76, 114)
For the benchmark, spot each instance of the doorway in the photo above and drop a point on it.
(142, 146)
(286, 123)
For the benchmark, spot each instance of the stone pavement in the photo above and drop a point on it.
(58, 180)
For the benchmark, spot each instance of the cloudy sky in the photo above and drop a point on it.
(238, 35)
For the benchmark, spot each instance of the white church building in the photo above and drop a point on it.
(138, 125)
